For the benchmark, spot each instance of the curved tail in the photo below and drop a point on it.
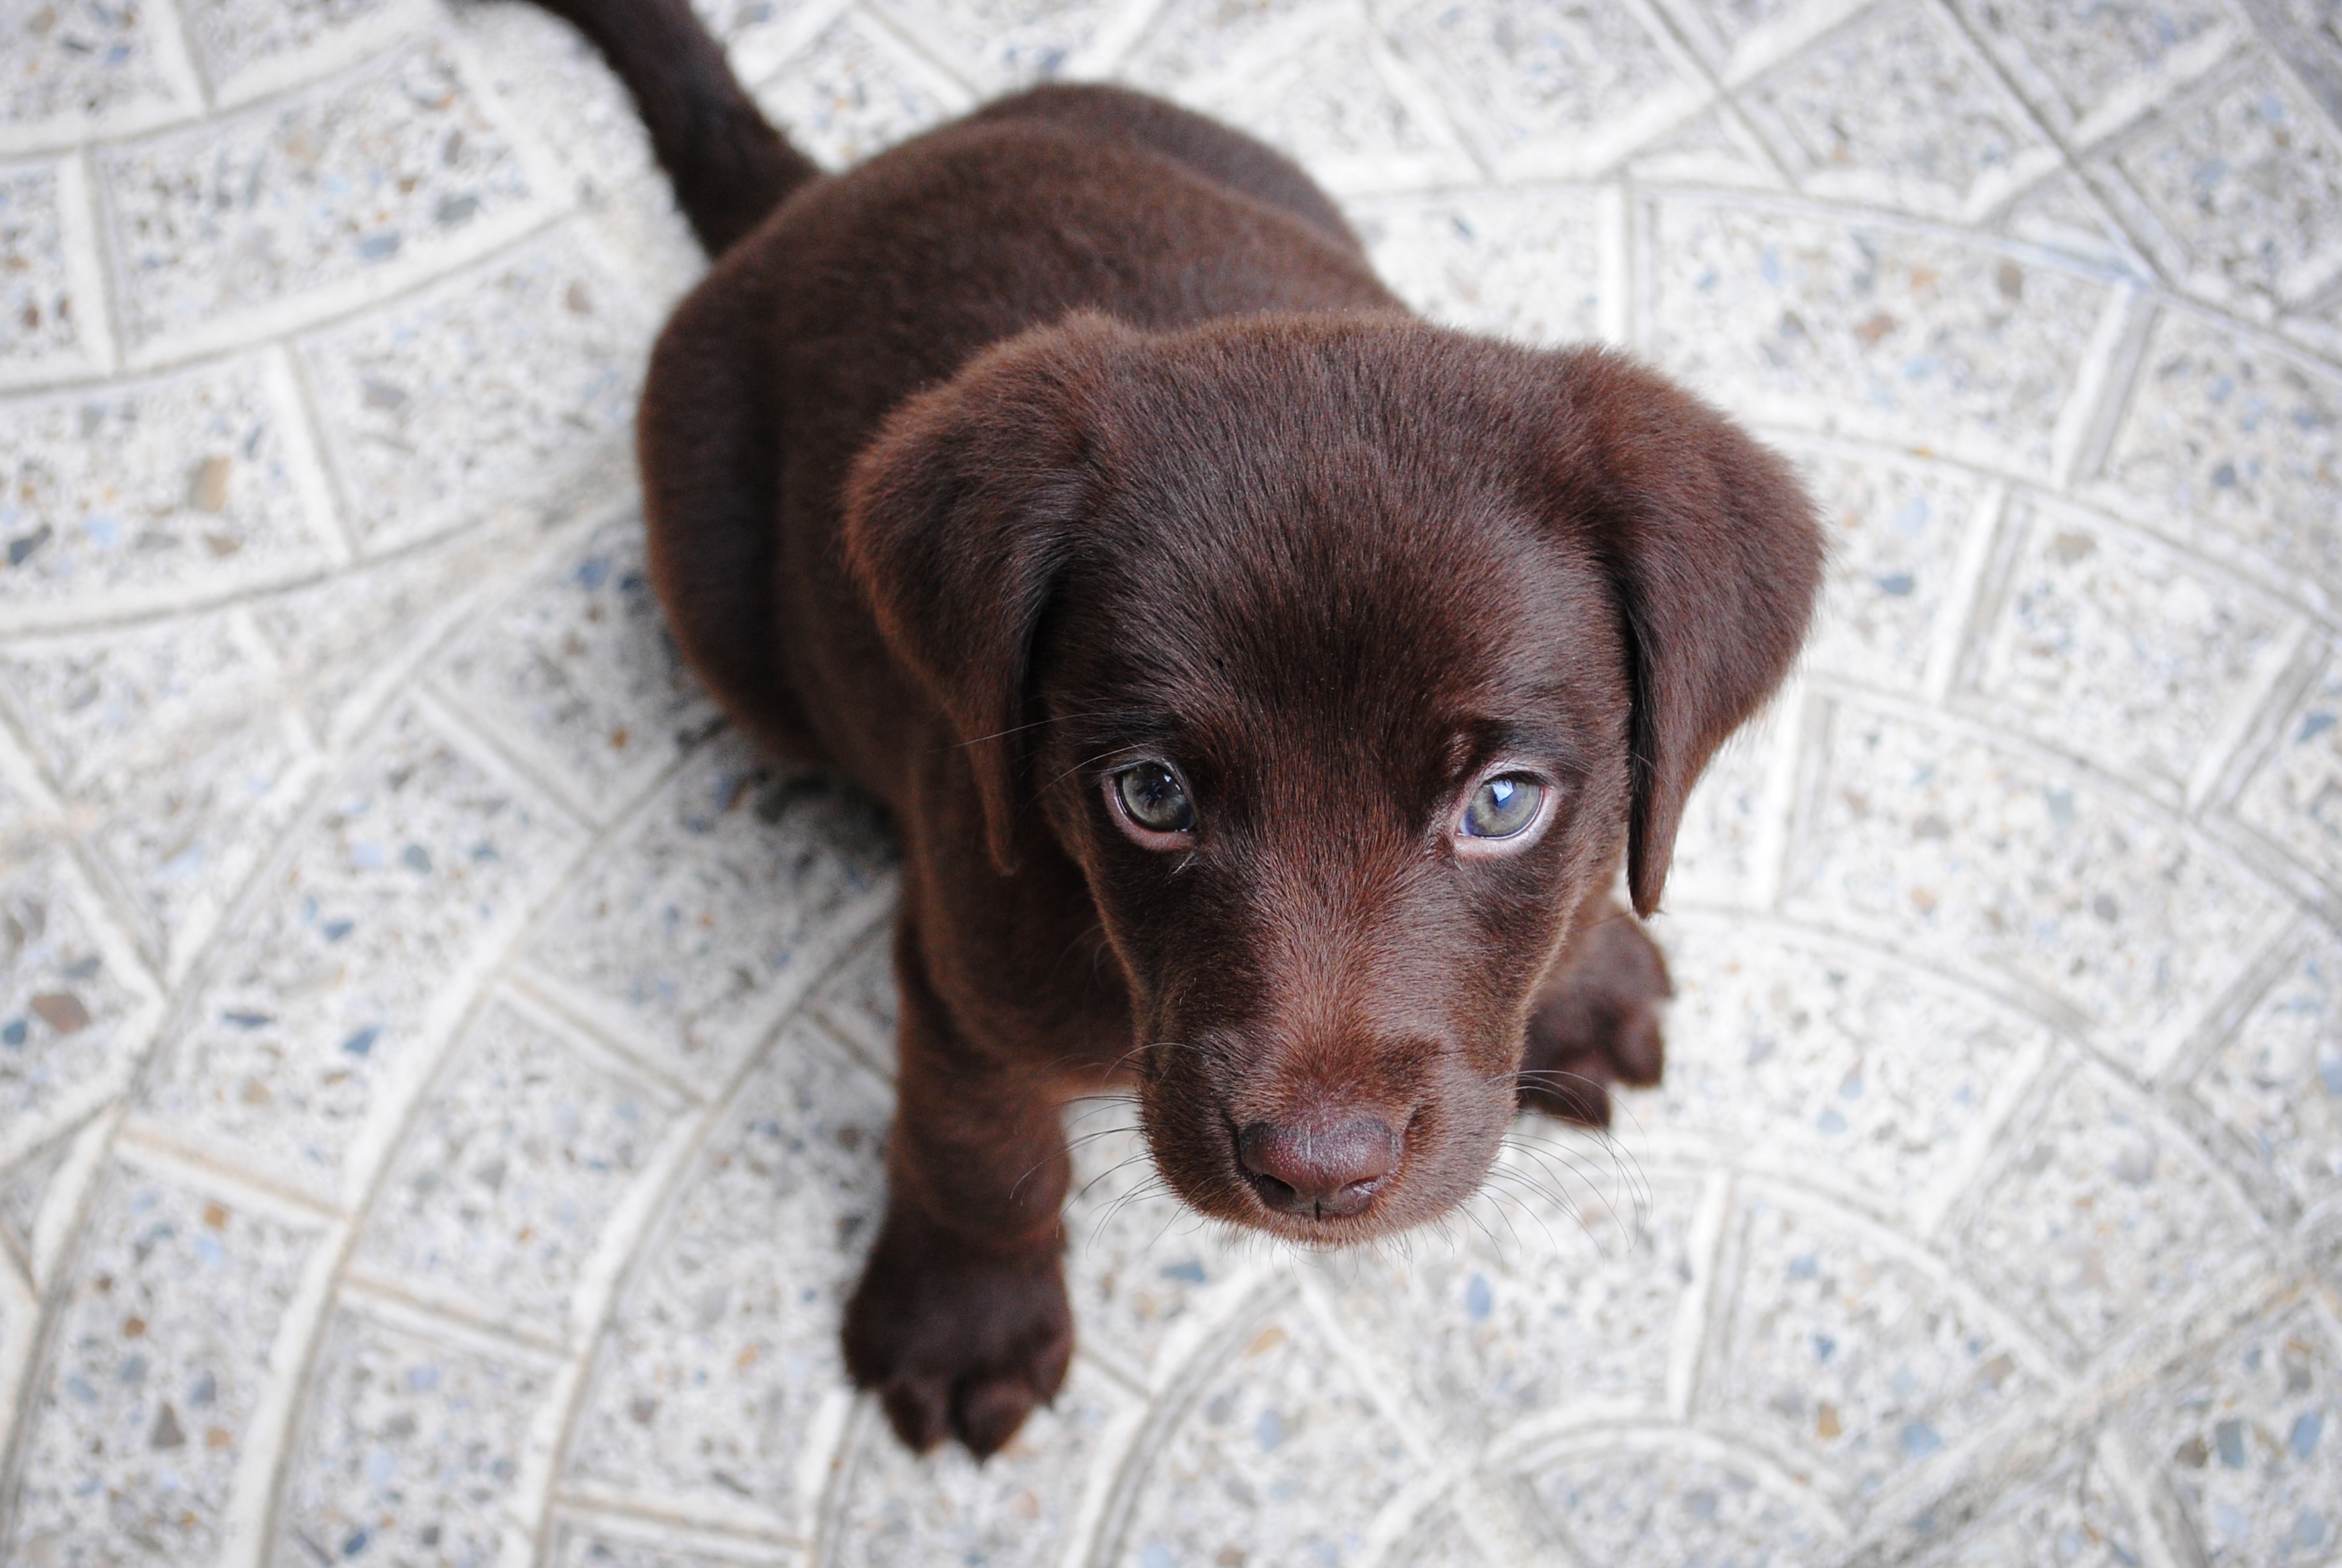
(729, 166)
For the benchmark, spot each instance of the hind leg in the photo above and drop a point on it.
(1596, 1021)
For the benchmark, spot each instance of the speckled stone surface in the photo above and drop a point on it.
(443, 1072)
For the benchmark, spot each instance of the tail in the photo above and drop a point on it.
(729, 166)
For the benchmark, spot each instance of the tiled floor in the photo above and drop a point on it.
(441, 1072)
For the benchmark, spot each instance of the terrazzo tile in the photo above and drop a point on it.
(1839, 1069)
(2063, 214)
(2235, 441)
(321, 1015)
(726, 1341)
(1997, 864)
(145, 495)
(501, 1189)
(1724, 851)
(1896, 530)
(52, 317)
(2101, 1213)
(250, 47)
(700, 926)
(76, 1015)
(1518, 265)
(1240, 1477)
(583, 1541)
(85, 67)
(24, 1189)
(157, 1365)
(2073, 1517)
(2088, 68)
(1875, 331)
(2247, 1437)
(999, 45)
(1899, 111)
(858, 1003)
(578, 668)
(2276, 1081)
(759, 35)
(2294, 795)
(2120, 650)
(439, 407)
(1190, 40)
(1713, 149)
(1867, 1365)
(855, 92)
(1654, 1499)
(550, 79)
(353, 187)
(1440, 1542)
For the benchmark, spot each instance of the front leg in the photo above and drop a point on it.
(1596, 1019)
(960, 1324)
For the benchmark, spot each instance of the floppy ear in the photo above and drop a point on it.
(1710, 545)
(958, 518)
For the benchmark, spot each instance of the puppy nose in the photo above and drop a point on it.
(1327, 1170)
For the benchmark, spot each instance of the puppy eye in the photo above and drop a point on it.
(1152, 799)
(1503, 808)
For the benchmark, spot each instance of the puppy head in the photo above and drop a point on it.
(1343, 656)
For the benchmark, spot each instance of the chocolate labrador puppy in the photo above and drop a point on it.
(1266, 685)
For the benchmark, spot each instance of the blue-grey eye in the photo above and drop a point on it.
(1155, 798)
(1503, 806)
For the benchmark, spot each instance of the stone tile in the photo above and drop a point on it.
(2062, 213)
(1551, 1300)
(583, 1541)
(158, 1362)
(700, 926)
(1867, 1364)
(1520, 264)
(2073, 1517)
(2091, 68)
(2294, 795)
(549, 78)
(1547, 87)
(856, 91)
(1442, 1541)
(1727, 850)
(250, 47)
(52, 315)
(999, 45)
(410, 1446)
(75, 1015)
(1827, 325)
(858, 1002)
(1242, 1475)
(1850, 1071)
(1899, 111)
(1192, 40)
(1896, 528)
(323, 1013)
(500, 1191)
(2237, 443)
(725, 1343)
(23, 1190)
(1994, 862)
(1652, 1498)
(2248, 180)
(84, 67)
(1018, 1507)
(1711, 149)
(2277, 1079)
(357, 186)
(760, 35)
(577, 670)
(2116, 648)
(144, 495)
(438, 407)
(2101, 1213)
(2246, 1435)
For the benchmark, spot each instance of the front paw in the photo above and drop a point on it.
(954, 1345)
(1596, 1022)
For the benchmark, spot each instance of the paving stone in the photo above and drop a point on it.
(725, 1343)
(1638, 1499)
(410, 1448)
(1191, 40)
(2247, 1436)
(353, 187)
(1241, 1475)
(157, 1363)
(441, 406)
(856, 91)
(581, 1541)
(76, 1015)
(1441, 1541)
(24, 1189)
(52, 317)
(578, 669)
(2276, 1081)
(1519, 264)
(2238, 443)
(323, 1013)
(1896, 530)
(549, 78)
(250, 47)
(2062, 213)
(2089, 68)
(999, 45)
(2103, 1212)
(84, 65)
(760, 35)
(1833, 1067)
(699, 927)
(1900, 110)
(2073, 1517)
(2003, 865)
(1726, 853)
(1866, 1363)
(1868, 331)
(2118, 649)
(2294, 795)
(501, 1189)
(2249, 180)
(1547, 87)
(858, 1002)
(145, 495)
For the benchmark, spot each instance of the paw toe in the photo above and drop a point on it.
(918, 1410)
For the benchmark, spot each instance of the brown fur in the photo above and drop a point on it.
(1079, 432)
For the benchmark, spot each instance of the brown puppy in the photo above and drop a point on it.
(1266, 684)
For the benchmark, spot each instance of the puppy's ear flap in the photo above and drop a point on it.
(959, 518)
(1713, 550)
